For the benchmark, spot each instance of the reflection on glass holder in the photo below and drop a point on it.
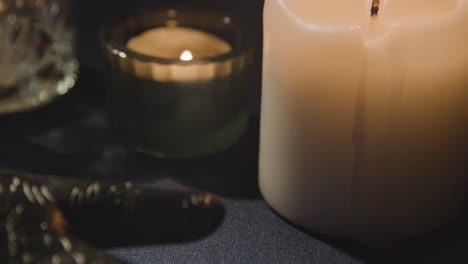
(37, 60)
(182, 105)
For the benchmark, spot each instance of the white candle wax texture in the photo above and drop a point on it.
(363, 118)
(171, 42)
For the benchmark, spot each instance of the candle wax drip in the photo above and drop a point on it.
(358, 139)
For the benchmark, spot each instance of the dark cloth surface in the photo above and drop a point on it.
(70, 137)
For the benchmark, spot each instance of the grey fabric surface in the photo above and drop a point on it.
(251, 233)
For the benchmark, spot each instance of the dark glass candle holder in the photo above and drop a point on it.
(171, 106)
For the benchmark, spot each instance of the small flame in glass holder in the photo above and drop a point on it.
(186, 55)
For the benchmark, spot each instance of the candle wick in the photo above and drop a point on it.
(375, 8)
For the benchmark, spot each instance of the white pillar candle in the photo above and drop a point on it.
(362, 118)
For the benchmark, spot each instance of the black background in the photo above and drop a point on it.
(70, 137)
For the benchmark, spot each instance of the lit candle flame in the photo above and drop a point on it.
(186, 55)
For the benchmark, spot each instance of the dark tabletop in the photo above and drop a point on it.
(71, 137)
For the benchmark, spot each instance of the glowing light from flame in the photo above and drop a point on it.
(186, 55)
